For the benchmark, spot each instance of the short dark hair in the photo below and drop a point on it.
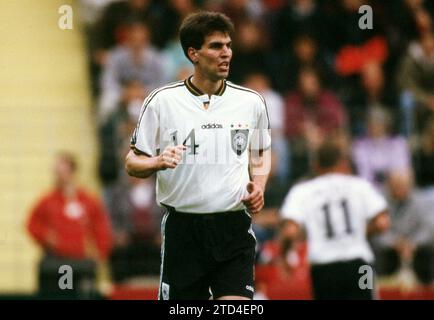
(198, 25)
(329, 154)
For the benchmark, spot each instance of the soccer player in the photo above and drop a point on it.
(338, 210)
(208, 142)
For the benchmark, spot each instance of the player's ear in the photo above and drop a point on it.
(192, 54)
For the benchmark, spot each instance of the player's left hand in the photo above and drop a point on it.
(254, 201)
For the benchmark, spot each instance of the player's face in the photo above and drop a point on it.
(214, 57)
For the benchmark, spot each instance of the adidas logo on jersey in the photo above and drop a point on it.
(212, 126)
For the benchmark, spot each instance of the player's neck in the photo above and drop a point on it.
(338, 169)
(206, 85)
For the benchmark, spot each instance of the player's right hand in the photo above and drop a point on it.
(170, 157)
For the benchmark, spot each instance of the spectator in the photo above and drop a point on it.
(423, 159)
(250, 51)
(312, 115)
(310, 106)
(345, 25)
(410, 240)
(138, 252)
(295, 18)
(305, 53)
(112, 28)
(72, 228)
(416, 76)
(129, 201)
(136, 60)
(379, 153)
(173, 12)
(176, 62)
(241, 10)
(114, 143)
(372, 93)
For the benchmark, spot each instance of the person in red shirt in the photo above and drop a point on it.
(71, 226)
(312, 114)
(311, 106)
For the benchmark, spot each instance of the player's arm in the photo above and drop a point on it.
(259, 168)
(140, 165)
(259, 160)
(379, 223)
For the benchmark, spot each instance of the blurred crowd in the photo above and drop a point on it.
(322, 77)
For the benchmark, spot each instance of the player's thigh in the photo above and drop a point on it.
(324, 285)
(235, 278)
(184, 269)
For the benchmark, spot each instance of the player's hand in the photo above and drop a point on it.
(170, 157)
(254, 201)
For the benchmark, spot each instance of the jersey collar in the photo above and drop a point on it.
(197, 92)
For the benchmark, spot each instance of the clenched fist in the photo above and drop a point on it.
(170, 157)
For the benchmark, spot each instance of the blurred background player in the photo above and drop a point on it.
(72, 228)
(337, 210)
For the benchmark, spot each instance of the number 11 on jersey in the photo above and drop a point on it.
(330, 232)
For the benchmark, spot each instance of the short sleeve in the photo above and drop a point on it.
(145, 136)
(292, 208)
(261, 135)
(374, 201)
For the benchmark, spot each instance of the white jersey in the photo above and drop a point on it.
(213, 173)
(335, 209)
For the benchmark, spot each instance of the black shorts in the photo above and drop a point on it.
(340, 281)
(207, 255)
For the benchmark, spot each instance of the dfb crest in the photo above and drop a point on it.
(239, 140)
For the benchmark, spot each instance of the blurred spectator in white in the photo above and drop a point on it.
(136, 60)
(379, 153)
(73, 228)
(276, 112)
(409, 243)
(416, 78)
